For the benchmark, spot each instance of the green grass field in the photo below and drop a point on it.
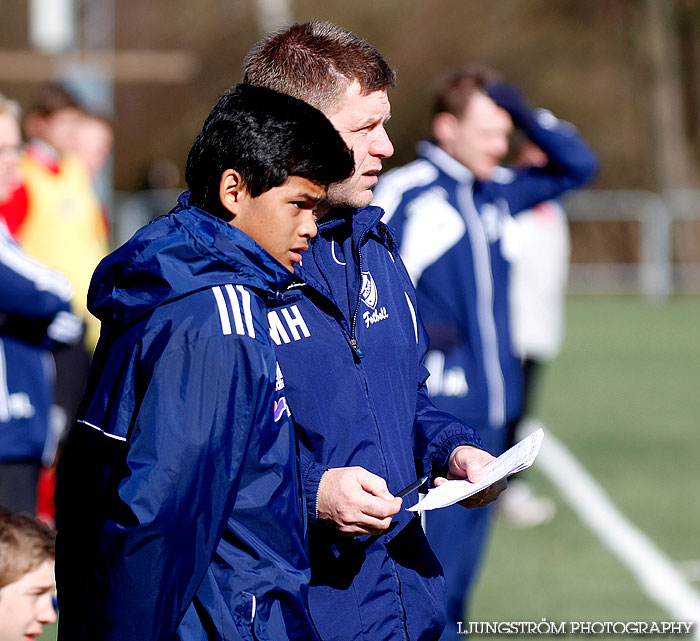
(624, 397)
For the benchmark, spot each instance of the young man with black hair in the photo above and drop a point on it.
(178, 498)
(351, 351)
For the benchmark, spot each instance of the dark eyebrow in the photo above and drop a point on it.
(306, 196)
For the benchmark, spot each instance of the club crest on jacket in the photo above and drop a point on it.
(368, 291)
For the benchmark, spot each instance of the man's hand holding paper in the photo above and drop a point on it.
(486, 475)
(470, 463)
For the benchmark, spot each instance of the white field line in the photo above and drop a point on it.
(657, 575)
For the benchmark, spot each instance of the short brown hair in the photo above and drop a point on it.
(53, 98)
(315, 62)
(457, 87)
(25, 544)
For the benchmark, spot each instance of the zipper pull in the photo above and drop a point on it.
(356, 349)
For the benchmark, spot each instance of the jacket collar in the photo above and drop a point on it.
(341, 234)
(228, 243)
(340, 224)
(444, 162)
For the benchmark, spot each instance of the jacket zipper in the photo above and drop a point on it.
(352, 339)
(359, 354)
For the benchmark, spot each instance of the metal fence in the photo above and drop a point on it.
(662, 253)
(623, 241)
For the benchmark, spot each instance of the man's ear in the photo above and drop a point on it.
(231, 188)
(444, 126)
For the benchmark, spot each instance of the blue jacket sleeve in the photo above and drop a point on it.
(185, 457)
(31, 296)
(311, 474)
(572, 163)
(28, 288)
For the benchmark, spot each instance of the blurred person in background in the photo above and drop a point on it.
(27, 587)
(451, 211)
(34, 318)
(93, 141)
(13, 196)
(351, 351)
(64, 227)
(539, 268)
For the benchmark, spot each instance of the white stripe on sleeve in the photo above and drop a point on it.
(223, 312)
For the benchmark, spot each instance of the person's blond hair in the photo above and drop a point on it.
(25, 544)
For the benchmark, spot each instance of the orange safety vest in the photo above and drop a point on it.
(64, 227)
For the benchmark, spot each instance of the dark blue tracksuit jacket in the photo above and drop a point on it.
(351, 352)
(178, 499)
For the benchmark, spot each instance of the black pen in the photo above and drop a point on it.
(413, 486)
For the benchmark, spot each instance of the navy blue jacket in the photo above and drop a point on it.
(34, 317)
(178, 498)
(351, 352)
(453, 234)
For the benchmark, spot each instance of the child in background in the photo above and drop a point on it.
(27, 585)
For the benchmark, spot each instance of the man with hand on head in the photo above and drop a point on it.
(178, 495)
(351, 351)
(451, 213)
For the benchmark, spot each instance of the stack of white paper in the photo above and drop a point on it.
(517, 458)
